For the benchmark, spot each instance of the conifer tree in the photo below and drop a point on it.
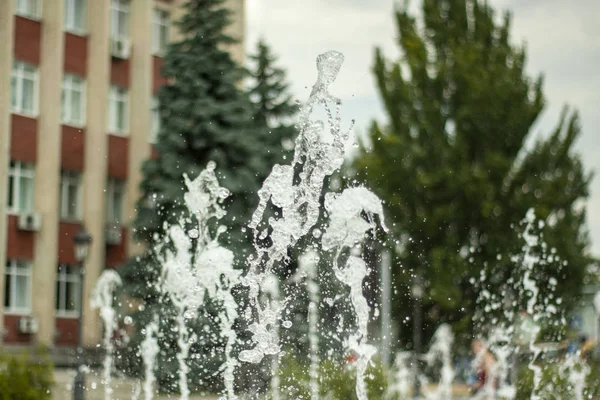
(205, 116)
(452, 165)
(274, 107)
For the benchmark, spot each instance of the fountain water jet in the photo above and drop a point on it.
(196, 266)
(149, 349)
(102, 299)
(297, 196)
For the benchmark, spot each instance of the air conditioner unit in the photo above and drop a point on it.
(119, 48)
(30, 222)
(113, 235)
(28, 325)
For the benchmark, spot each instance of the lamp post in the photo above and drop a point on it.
(81, 241)
(417, 293)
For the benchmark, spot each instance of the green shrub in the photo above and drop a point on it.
(555, 383)
(336, 380)
(26, 377)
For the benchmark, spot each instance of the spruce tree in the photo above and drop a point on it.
(452, 165)
(274, 107)
(205, 116)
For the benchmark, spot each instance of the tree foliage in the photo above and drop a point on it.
(456, 163)
(274, 107)
(205, 116)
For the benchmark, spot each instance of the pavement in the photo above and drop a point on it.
(126, 389)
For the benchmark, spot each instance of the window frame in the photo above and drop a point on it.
(11, 272)
(120, 9)
(66, 179)
(72, 83)
(35, 15)
(63, 278)
(118, 94)
(160, 18)
(19, 74)
(114, 186)
(16, 171)
(70, 17)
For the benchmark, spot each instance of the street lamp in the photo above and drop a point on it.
(81, 242)
(417, 292)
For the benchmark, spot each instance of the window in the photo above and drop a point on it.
(115, 193)
(17, 287)
(29, 8)
(70, 196)
(155, 121)
(160, 31)
(68, 280)
(73, 100)
(21, 180)
(119, 15)
(24, 88)
(117, 110)
(75, 16)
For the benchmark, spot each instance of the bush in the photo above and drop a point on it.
(336, 380)
(555, 382)
(26, 378)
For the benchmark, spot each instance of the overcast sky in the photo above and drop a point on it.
(563, 39)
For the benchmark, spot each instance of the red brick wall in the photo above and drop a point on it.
(119, 72)
(11, 327)
(157, 79)
(28, 34)
(72, 148)
(19, 244)
(75, 54)
(153, 152)
(23, 139)
(118, 156)
(66, 331)
(66, 232)
(115, 255)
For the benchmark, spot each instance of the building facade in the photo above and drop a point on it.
(78, 80)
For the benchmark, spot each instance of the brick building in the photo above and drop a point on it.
(77, 85)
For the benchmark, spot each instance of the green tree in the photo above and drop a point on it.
(205, 116)
(275, 108)
(453, 166)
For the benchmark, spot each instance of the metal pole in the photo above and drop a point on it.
(386, 330)
(417, 326)
(79, 383)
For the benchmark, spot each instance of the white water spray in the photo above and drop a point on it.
(149, 350)
(441, 349)
(271, 289)
(308, 265)
(102, 299)
(298, 199)
(197, 265)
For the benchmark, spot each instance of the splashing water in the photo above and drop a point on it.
(441, 349)
(197, 265)
(576, 371)
(298, 198)
(402, 378)
(149, 349)
(271, 290)
(529, 261)
(102, 299)
(308, 264)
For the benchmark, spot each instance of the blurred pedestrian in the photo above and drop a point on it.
(483, 383)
